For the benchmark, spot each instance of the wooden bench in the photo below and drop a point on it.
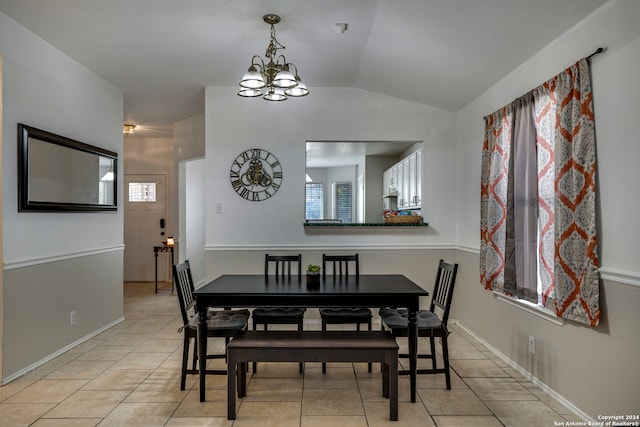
(312, 346)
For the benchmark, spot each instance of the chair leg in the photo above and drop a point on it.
(382, 329)
(255, 365)
(324, 329)
(432, 343)
(445, 356)
(185, 357)
(369, 366)
(300, 329)
(195, 354)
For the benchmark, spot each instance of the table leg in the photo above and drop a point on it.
(155, 253)
(202, 351)
(413, 353)
(171, 268)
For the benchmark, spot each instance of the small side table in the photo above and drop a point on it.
(156, 250)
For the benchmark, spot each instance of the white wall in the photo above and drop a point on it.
(188, 136)
(188, 145)
(234, 124)
(193, 211)
(149, 156)
(45, 89)
(49, 258)
(594, 368)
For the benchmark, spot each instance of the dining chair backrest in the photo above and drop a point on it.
(184, 287)
(340, 264)
(282, 264)
(443, 289)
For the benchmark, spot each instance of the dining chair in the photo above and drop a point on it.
(343, 315)
(221, 323)
(282, 266)
(431, 323)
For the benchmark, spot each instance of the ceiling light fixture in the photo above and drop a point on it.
(274, 81)
(128, 128)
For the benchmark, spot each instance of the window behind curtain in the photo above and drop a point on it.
(561, 219)
(314, 201)
(341, 201)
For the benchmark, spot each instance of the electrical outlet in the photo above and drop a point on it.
(532, 344)
(218, 207)
(72, 317)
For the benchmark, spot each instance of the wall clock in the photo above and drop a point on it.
(256, 174)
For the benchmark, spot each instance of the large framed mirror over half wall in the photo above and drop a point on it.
(59, 174)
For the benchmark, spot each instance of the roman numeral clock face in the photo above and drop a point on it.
(256, 174)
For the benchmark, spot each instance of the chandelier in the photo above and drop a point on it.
(273, 81)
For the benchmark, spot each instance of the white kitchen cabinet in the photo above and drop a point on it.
(418, 179)
(404, 180)
(400, 184)
(386, 183)
(393, 181)
(415, 179)
(411, 178)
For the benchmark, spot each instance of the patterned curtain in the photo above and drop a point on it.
(566, 165)
(574, 287)
(493, 197)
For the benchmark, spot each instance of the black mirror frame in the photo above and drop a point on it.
(25, 204)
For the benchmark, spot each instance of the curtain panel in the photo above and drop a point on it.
(564, 221)
(493, 197)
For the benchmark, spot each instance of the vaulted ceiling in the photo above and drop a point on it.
(162, 53)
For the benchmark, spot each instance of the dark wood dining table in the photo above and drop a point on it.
(368, 290)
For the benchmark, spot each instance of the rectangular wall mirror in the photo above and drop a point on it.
(345, 180)
(58, 174)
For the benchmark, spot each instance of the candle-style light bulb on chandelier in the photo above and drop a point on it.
(273, 81)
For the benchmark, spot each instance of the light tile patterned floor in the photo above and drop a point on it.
(129, 375)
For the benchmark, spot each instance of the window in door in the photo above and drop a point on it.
(142, 191)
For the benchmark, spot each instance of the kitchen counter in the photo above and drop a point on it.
(325, 225)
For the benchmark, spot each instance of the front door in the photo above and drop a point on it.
(145, 227)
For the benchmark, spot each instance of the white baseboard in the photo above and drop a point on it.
(52, 356)
(579, 413)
